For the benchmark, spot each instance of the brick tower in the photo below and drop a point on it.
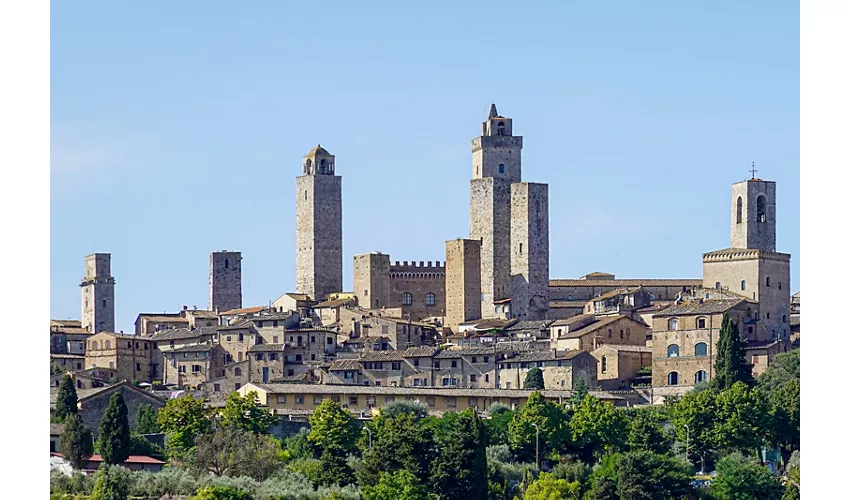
(98, 287)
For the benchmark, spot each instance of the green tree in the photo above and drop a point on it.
(183, 419)
(66, 399)
(114, 432)
(234, 451)
(731, 365)
(334, 468)
(139, 445)
(598, 428)
(400, 442)
(785, 416)
(400, 485)
(497, 424)
(418, 409)
(146, 420)
(299, 446)
(442, 426)
(460, 470)
(784, 368)
(646, 433)
(580, 391)
(246, 413)
(547, 487)
(741, 419)
(111, 483)
(739, 478)
(553, 424)
(697, 411)
(534, 379)
(75, 443)
(220, 493)
(640, 475)
(333, 428)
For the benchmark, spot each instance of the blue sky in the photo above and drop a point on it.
(178, 128)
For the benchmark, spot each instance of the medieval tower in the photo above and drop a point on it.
(529, 250)
(225, 280)
(318, 226)
(752, 267)
(98, 288)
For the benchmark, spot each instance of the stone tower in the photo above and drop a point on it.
(98, 288)
(496, 163)
(225, 280)
(463, 281)
(318, 226)
(372, 280)
(752, 267)
(754, 215)
(529, 250)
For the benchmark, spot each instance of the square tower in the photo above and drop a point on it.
(318, 226)
(529, 250)
(463, 281)
(225, 280)
(497, 152)
(372, 280)
(98, 288)
(754, 215)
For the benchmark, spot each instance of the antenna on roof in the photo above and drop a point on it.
(753, 170)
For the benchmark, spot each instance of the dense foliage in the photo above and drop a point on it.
(182, 419)
(731, 365)
(75, 442)
(146, 420)
(113, 439)
(66, 399)
(534, 379)
(247, 414)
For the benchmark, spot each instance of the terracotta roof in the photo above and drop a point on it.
(626, 348)
(561, 304)
(202, 313)
(244, 310)
(68, 356)
(614, 293)
(267, 348)
(795, 320)
(239, 325)
(693, 307)
(494, 324)
(132, 459)
(70, 329)
(333, 303)
(760, 344)
(543, 356)
(574, 320)
(271, 317)
(183, 333)
(419, 352)
(622, 283)
(584, 330)
(56, 429)
(526, 325)
(380, 356)
(166, 319)
(345, 365)
(502, 301)
(194, 348)
(465, 352)
(75, 322)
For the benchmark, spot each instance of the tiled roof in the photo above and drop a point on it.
(419, 352)
(318, 150)
(345, 365)
(760, 344)
(614, 293)
(75, 322)
(132, 459)
(271, 317)
(194, 348)
(626, 348)
(70, 329)
(574, 320)
(266, 348)
(183, 333)
(693, 307)
(544, 356)
(239, 325)
(166, 319)
(202, 313)
(622, 283)
(380, 356)
(529, 325)
(67, 356)
(795, 320)
(494, 324)
(592, 327)
(333, 303)
(465, 352)
(564, 304)
(56, 429)
(244, 310)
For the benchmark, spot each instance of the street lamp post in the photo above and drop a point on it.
(537, 446)
(687, 440)
(369, 431)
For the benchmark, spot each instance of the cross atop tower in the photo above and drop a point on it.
(753, 170)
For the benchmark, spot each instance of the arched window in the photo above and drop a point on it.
(569, 297)
(700, 376)
(779, 284)
(673, 351)
(307, 166)
(107, 344)
(226, 263)
(430, 299)
(673, 324)
(237, 371)
(749, 313)
(604, 364)
(700, 349)
(622, 333)
(501, 168)
(407, 298)
(305, 194)
(651, 296)
(761, 209)
(609, 333)
(717, 285)
(673, 378)
(740, 210)
(500, 128)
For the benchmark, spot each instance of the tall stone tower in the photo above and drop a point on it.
(98, 288)
(496, 163)
(318, 226)
(754, 215)
(529, 250)
(372, 280)
(463, 281)
(225, 280)
(752, 267)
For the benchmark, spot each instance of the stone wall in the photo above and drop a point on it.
(529, 250)
(490, 223)
(98, 294)
(463, 281)
(93, 409)
(318, 235)
(372, 280)
(225, 280)
(751, 232)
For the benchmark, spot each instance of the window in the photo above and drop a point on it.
(740, 210)
(107, 344)
(622, 334)
(672, 351)
(717, 285)
(761, 209)
(501, 166)
(138, 367)
(430, 299)
(743, 284)
(673, 324)
(451, 402)
(237, 372)
(330, 341)
(430, 401)
(297, 357)
(281, 398)
(317, 399)
(241, 337)
(700, 376)
(130, 345)
(486, 377)
(436, 364)
(259, 324)
(229, 338)
(454, 363)
(609, 333)
(185, 355)
(407, 298)
(290, 372)
(569, 297)
(274, 339)
(312, 338)
(500, 128)
(352, 400)
(767, 281)
(779, 284)
(396, 366)
(299, 399)
(486, 359)
(217, 387)
(238, 385)
(604, 364)
(196, 368)
(700, 322)
(784, 318)
(473, 378)
(520, 248)
(700, 349)
(226, 263)
(259, 356)
(474, 359)
(415, 361)
(673, 378)
(180, 369)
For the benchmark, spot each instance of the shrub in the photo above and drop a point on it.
(221, 493)
(112, 482)
(168, 481)
(309, 468)
(76, 483)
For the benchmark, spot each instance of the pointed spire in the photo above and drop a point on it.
(493, 113)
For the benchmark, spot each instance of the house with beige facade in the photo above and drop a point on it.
(561, 369)
(587, 332)
(618, 365)
(131, 356)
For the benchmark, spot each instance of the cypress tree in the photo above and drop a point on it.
(114, 432)
(534, 379)
(731, 365)
(146, 418)
(579, 392)
(66, 399)
(75, 443)
(460, 470)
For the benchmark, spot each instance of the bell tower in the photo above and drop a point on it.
(754, 214)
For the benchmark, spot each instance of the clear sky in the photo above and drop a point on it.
(177, 129)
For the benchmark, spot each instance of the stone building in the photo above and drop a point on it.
(618, 365)
(131, 356)
(529, 250)
(417, 288)
(593, 285)
(225, 280)
(463, 281)
(400, 332)
(561, 369)
(191, 365)
(587, 332)
(98, 288)
(92, 403)
(318, 226)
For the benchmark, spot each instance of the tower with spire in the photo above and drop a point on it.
(318, 226)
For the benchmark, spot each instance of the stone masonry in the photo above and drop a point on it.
(754, 215)
(529, 250)
(372, 280)
(225, 280)
(463, 281)
(98, 289)
(318, 226)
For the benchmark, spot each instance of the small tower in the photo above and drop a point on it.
(372, 280)
(225, 280)
(497, 152)
(318, 226)
(529, 250)
(754, 215)
(98, 287)
(463, 281)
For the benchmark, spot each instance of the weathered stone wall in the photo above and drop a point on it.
(318, 235)
(490, 223)
(590, 290)
(463, 281)
(751, 232)
(418, 279)
(98, 294)
(489, 152)
(94, 408)
(529, 250)
(372, 280)
(225, 280)
(129, 356)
